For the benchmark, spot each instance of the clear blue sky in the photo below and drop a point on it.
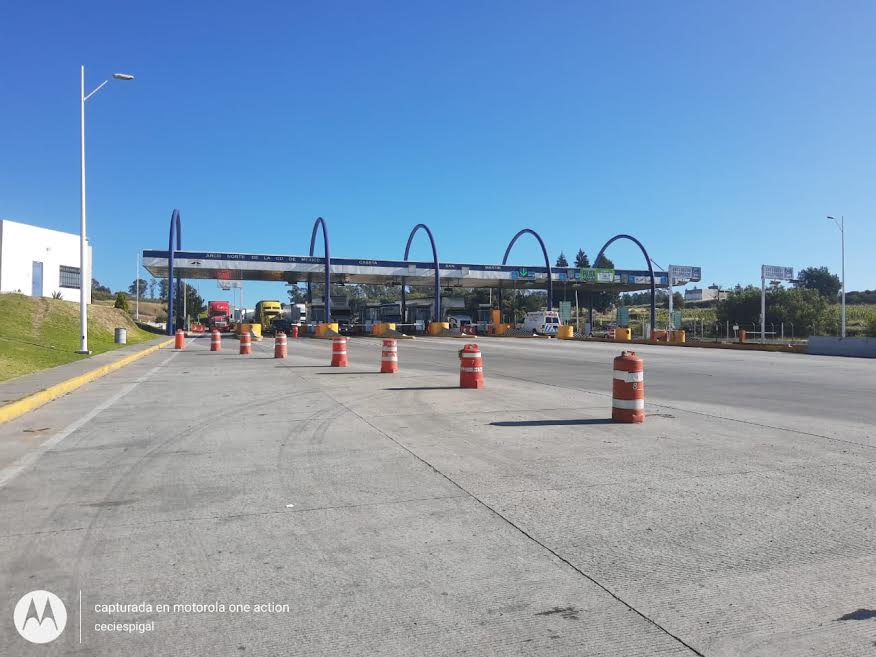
(720, 134)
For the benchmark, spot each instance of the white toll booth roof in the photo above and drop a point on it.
(296, 269)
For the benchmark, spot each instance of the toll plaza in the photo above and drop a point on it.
(292, 269)
(453, 495)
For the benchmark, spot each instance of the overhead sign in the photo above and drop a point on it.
(523, 272)
(565, 311)
(685, 273)
(596, 275)
(776, 273)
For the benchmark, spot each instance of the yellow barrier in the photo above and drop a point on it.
(623, 334)
(21, 406)
(253, 329)
(678, 337)
(659, 335)
(382, 327)
(323, 328)
(566, 332)
(501, 328)
(436, 327)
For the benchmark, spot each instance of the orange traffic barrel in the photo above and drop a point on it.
(215, 340)
(628, 388)
(293, 330)
(280, 345)
(245, 343)
(339, 351)
(180, 340)
(389, 357)
(471, 367)
(742, 335)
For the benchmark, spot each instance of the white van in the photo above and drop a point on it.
(458, 320)
(543, 322)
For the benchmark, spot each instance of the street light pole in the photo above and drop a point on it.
(841, 224)
(84, 263)
(84, 278)
(137, 285)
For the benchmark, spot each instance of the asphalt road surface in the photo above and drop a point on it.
(399, 515)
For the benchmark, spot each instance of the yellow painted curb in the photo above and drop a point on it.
(24, 405)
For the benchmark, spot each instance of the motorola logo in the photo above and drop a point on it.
(40, 616)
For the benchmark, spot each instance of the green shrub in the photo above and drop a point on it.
(121, 301)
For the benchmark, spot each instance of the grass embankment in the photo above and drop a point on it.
(36, 333)
(149, 309)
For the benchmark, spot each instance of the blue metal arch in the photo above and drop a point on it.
(650, 271)
(175, 231)
(328, 267)
(547, 264)
(437, 272)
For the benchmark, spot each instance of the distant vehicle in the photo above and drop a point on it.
(458, 320)
(543, 322)
(282, 325)
(219, 315)
(298, 313)
(265, 313)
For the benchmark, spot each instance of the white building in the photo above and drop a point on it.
(39, 262)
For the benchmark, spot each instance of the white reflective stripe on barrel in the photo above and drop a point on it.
(628, 404)
(472, 369)
(390, 359)
(339, 353)
(629, 377)
(471, 354)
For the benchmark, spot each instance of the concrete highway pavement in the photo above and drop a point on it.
(400, 515)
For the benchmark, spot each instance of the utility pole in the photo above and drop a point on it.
(762, 305)
(841, 224)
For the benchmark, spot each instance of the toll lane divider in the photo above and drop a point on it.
(33, 401)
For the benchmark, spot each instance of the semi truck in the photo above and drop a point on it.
(219, 315)
(265, 312)
(297, 313)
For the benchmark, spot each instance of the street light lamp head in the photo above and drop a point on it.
(829, 217)
(123, 76)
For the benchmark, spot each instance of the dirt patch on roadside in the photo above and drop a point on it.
(40, 312)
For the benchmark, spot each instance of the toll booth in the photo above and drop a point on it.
(422, 311)
(370, 316)
(341, 311)
(485, 316)
(391, 312)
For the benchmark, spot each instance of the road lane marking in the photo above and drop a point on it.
(11, 471)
